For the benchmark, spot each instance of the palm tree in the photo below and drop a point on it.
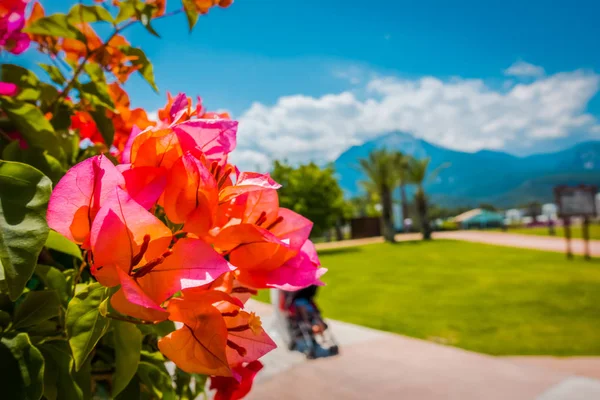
(417, 175)
(382, 169)
(402, 165)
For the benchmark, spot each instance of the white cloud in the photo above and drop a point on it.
(464, 114)
(352, 74)
(524, 69)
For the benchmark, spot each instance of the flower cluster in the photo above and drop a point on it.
(182, 234)
(12, 21)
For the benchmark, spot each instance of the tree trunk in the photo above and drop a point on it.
(421, 201)
(387, 214)
(404, 204)
(338, 230)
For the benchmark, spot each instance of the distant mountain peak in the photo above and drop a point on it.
(486, 176)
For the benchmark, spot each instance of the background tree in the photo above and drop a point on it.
(488, 207)
(418, 175)
(313, 192)
(383, 171)
(403, 161)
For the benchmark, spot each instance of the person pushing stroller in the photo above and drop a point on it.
(306, 330)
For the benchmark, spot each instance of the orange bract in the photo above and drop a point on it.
(124, 119)
(47, 43)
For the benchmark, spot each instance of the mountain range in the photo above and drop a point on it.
(486, 176)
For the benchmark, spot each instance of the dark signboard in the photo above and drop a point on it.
(576, 201)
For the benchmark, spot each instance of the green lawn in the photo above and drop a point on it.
(489, 299)
(576, 231)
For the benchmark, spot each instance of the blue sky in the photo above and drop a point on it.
(291, 70)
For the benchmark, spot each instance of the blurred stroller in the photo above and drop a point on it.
(301, 323)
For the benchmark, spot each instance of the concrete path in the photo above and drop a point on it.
(380, 365)
(544, 243)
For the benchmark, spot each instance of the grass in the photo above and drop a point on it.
(488, 299)
(576, 231)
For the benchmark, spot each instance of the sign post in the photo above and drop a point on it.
(576, 201)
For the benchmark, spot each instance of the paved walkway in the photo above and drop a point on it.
(380, 365)
(544, 243)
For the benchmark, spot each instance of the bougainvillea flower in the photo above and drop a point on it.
(216, 138)
(78, 196)
(146, 184)
(126, 153)
(18, 137)
(124, 235)
(299, 272)
(11, 24)
(8, 6)
(247, 182)
(125, 119)
(199, 346)
(155, 148)
(264, 244)
(145, 288)
(8, 89)
(246, 340)
(190, 187)
(130, 247)
(232, 388)
(203, 6)
(216, 333)
(192, 263)
(83, 122)
(219, 202)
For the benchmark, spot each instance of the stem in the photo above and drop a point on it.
(81, 66)
(78, 276)
(117, 30)
(5, 136)
(133, 321)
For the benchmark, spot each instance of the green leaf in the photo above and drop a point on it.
(58, 381)
(104, 124)
(61, 119)
(127, 9)
(48, 94)
(37, 307)
(24, 194)
(95, 72)
(56, 25)
(5, 319)
(157, 380)
(26, 80)
(83, 378)
(69, 144)
(190, 12)
(55, 280)
(31, 124)
(58, 242)
(164, 328)
(128, 344)
(144, 14)
(145, 66)
(85, 325)
(54, 73)
(132, 391)
(84, 13)
(35, 157)
(97, 94)
(22, 367)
